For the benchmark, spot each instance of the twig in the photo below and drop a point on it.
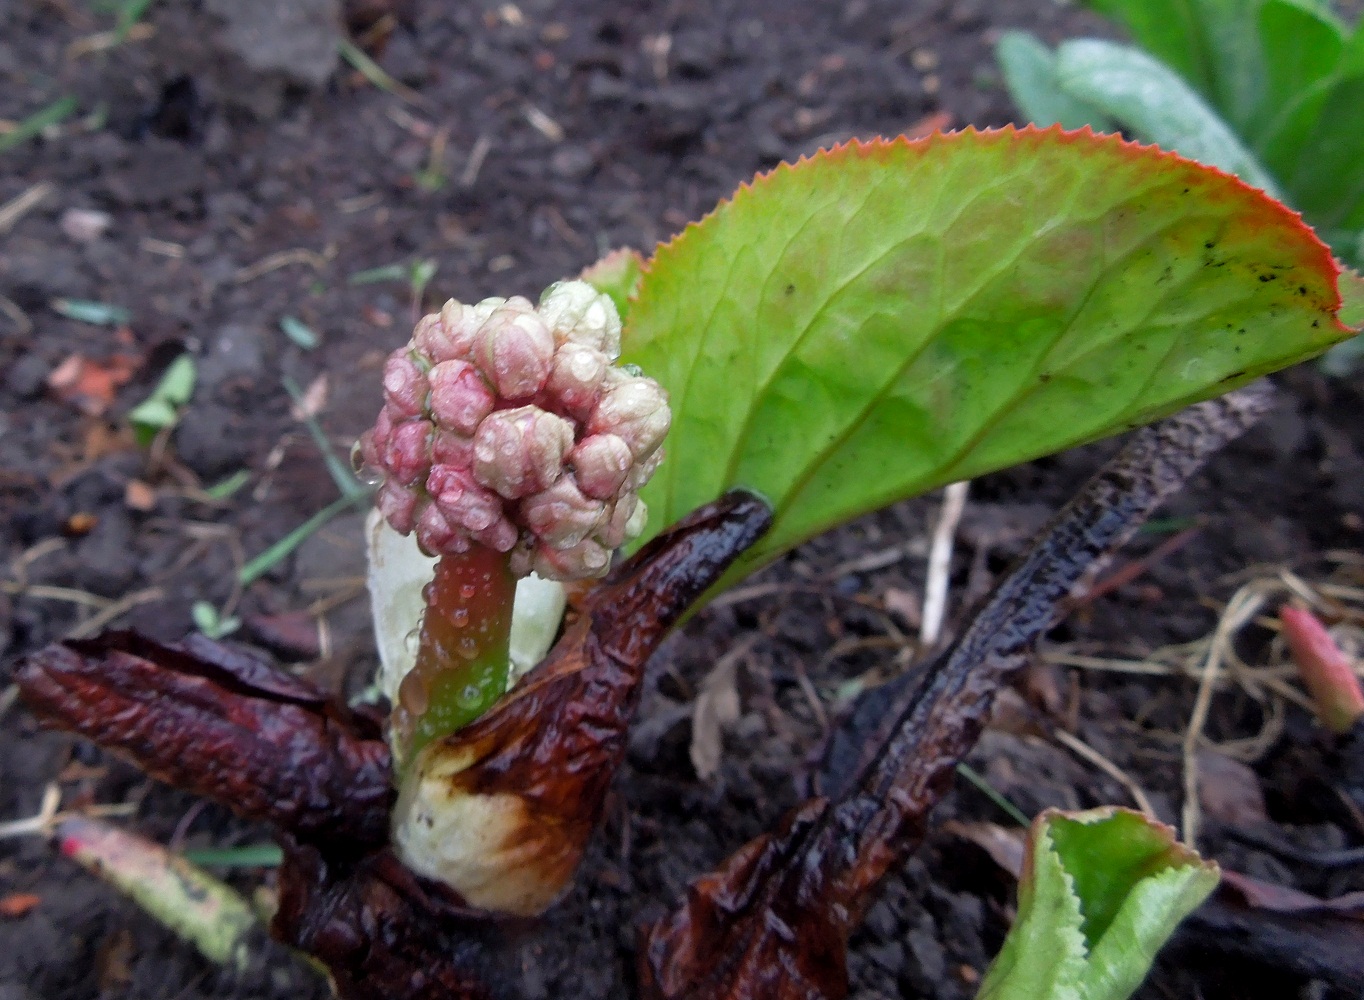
(40, 823)
(16, 208)
(1243, 606)
(482, 147)
(1082, 749)
(120, 607)
(299, 255)
(16, 315)
(940, 563)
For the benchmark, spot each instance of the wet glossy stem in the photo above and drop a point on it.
(461, 666)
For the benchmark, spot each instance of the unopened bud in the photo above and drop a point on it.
(521, 451)
(465, 503)
(575, 379)
(621, 524)
(510, 426)
(561, 516)
(460, 398)
(398, 504)
(586, 559)
(514, 350)
(406, 454)
(405, 385)
(579, 314)
(636, 409)
(600, 464)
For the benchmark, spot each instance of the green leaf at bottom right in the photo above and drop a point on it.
(1100, 893)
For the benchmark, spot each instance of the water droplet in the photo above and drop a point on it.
(364, 472)
(412, 693)
(459, 618)
(471, 695)
(467, 648)
(412, 641)
(467, 592)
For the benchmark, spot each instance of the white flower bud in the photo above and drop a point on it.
(634, 408)
(579, 314)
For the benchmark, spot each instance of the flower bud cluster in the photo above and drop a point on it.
(512, 426)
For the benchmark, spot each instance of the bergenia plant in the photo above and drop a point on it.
(870, 323)
(510, 443)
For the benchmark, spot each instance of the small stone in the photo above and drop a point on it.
(27, 377)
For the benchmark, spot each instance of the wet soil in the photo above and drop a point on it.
(219, 174)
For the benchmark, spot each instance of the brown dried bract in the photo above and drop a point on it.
(532, 774)
(224, 724)
(774, 921)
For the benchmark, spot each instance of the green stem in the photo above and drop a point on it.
(462, 658)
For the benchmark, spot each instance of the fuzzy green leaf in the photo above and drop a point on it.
(1030, 71)
(1151, 100)
(1101, 891)
(893, 316)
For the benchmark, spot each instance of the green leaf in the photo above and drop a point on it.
(162, 408)
(1101, 891)
(1213, 44)
(1030, 72)
(246, 856)
(35, 124)
(1306, 50)
(177, 385)
(1151, 100)
(299, 332)
(893, 316)
(95, 313)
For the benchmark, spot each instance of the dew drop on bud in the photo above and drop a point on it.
(459, 617)
(412, 693)
(366, 473)
(467, 591)
(412, 641)
(467, 648)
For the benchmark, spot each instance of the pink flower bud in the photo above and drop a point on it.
(405, 384)
(514, 350)
(459, 396)
(575, 379)
(636, 409)
(398, 504)
(579, 314)
(430, 339)
(407, 453)
(452, 448)
(616, 529)
(521, 451)
(509, 425)
(436, 535)
(585, 560)
(468, 505)
(600, 464)
(561, 516)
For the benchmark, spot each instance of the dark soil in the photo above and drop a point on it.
(211, 148)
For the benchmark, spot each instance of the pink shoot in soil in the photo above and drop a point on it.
(1325, 668)
(509, 442)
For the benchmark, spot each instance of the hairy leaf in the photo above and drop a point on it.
(892, 316)
(1030, 71)
(1143, 94)
(1101, 891)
